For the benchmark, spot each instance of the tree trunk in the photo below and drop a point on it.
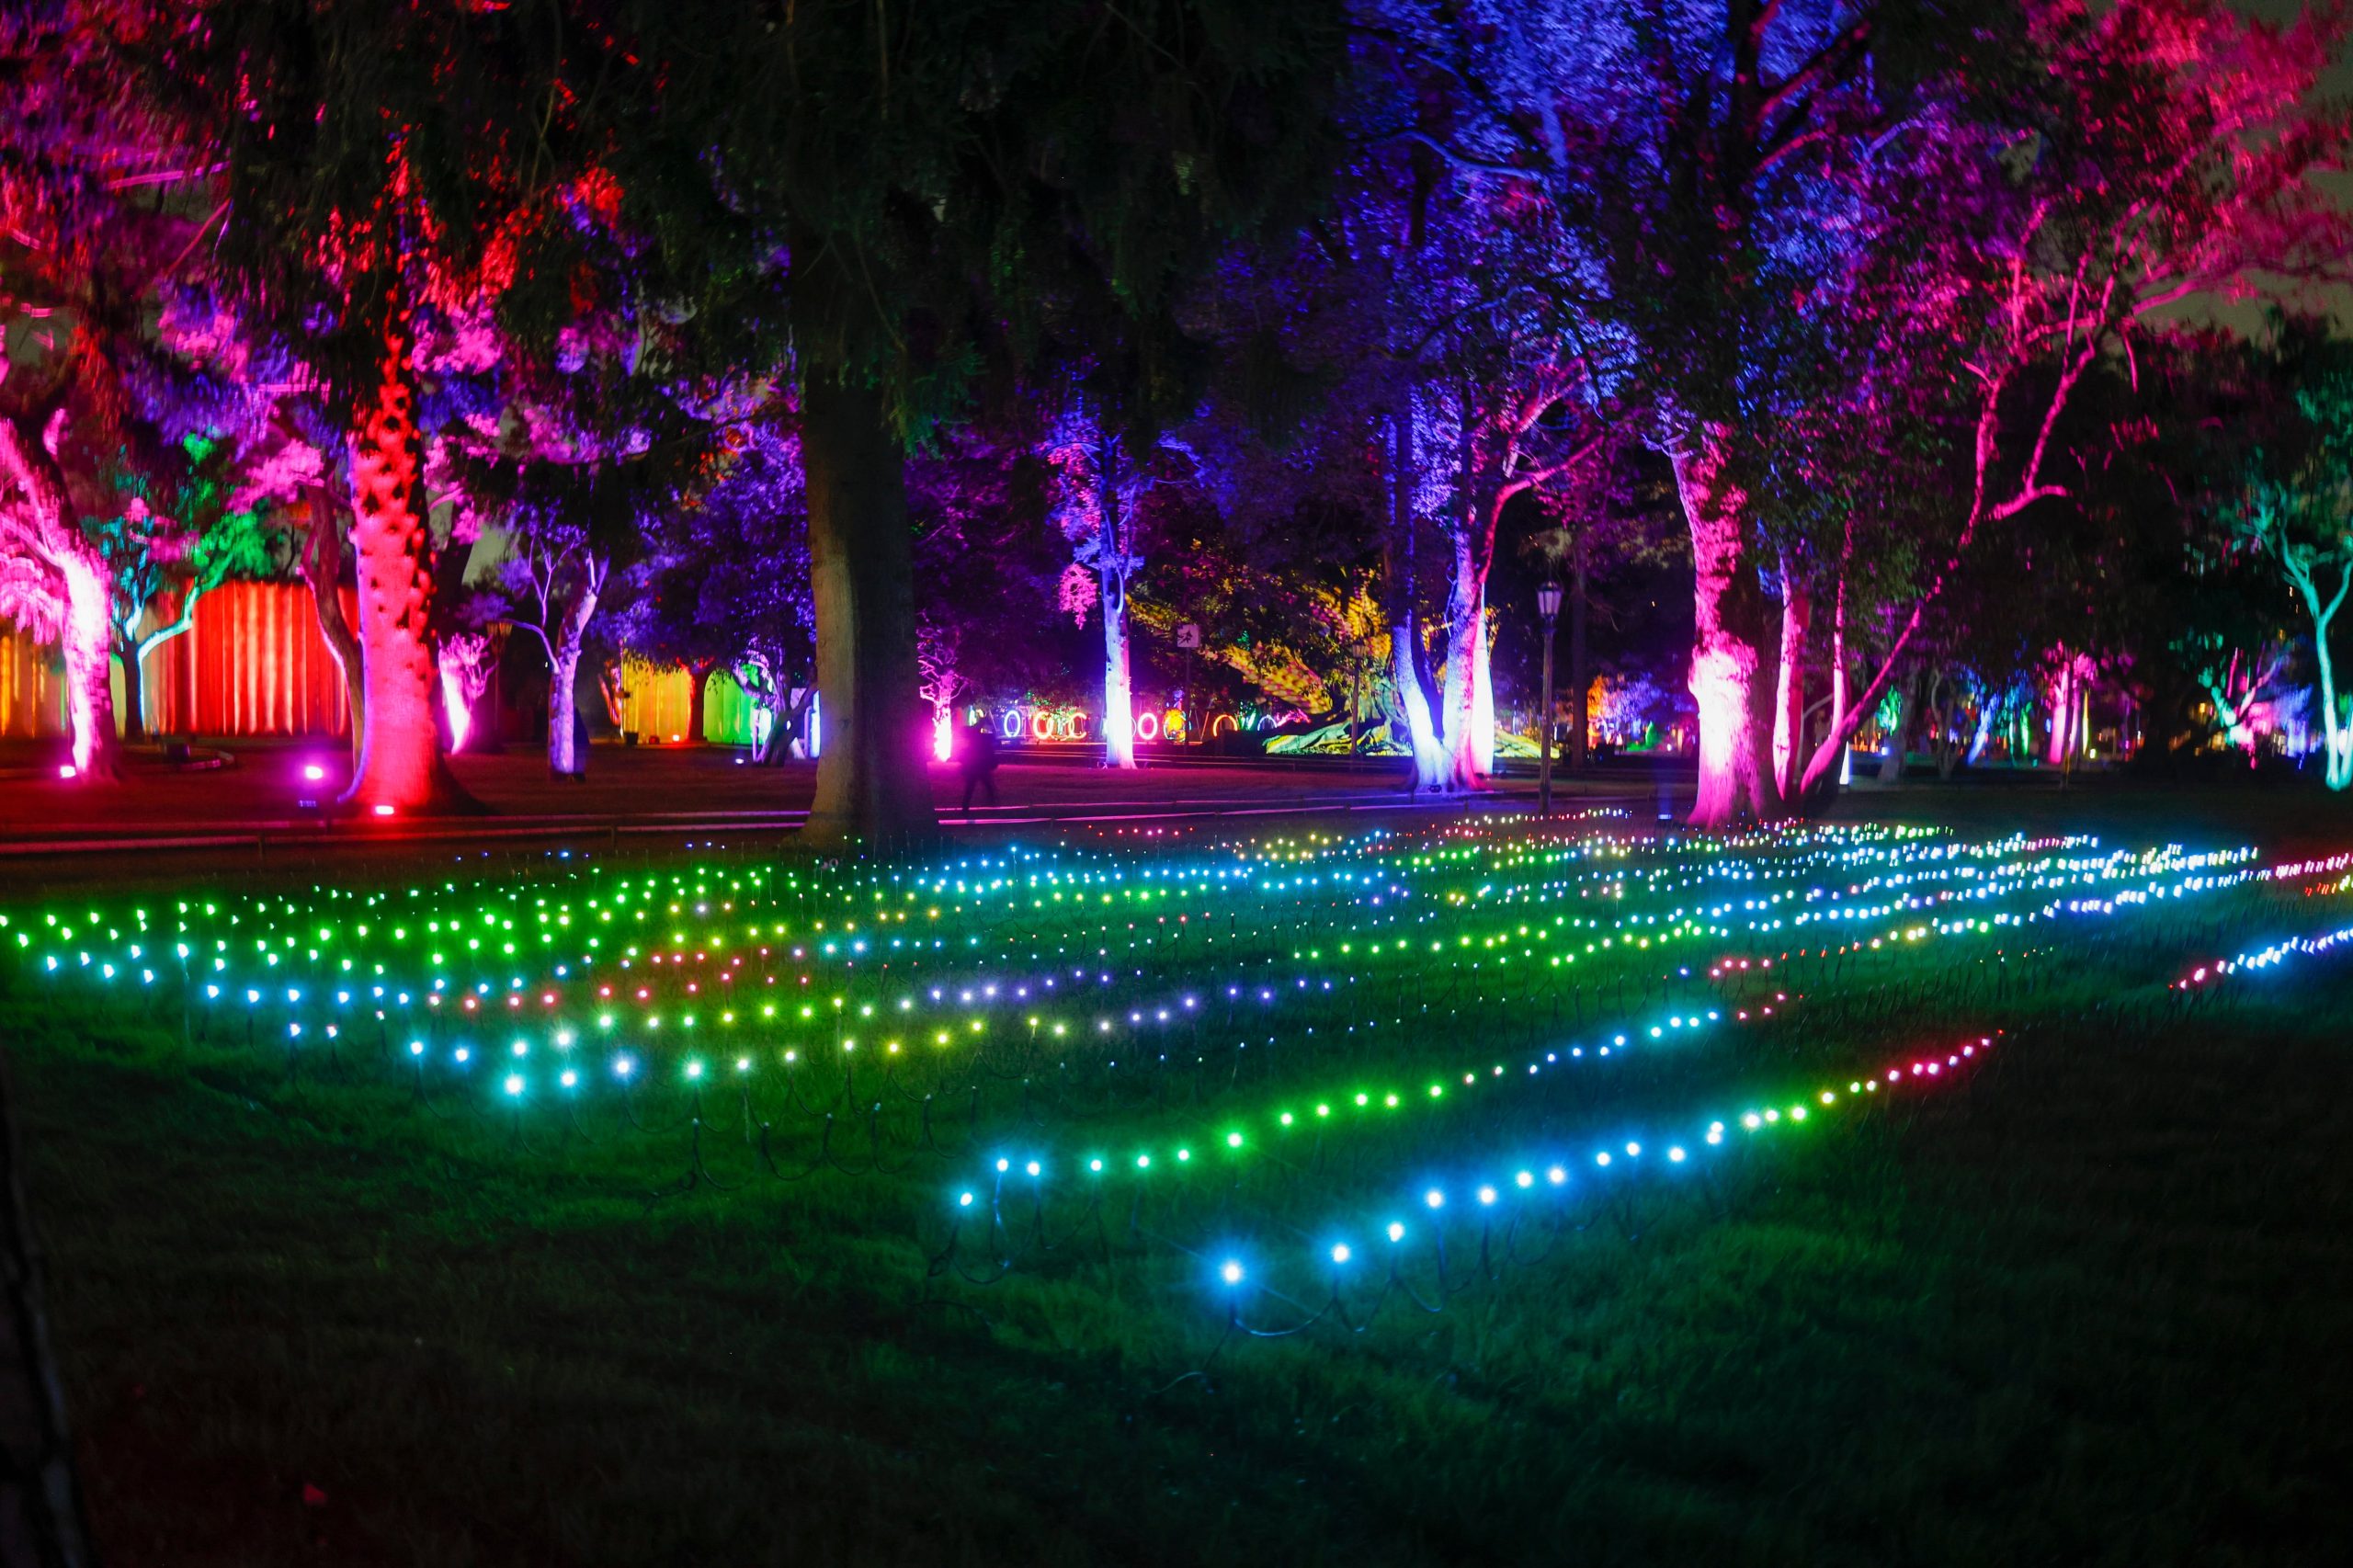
(1409, 675)
(1111, 556)
(699, 672)
(792, 713)
(135, 707)
(1727, 612)
(323, 568)
(2337, 733)
(1788, 693)
(1989, 708)
(1119, 698)
(1937, 723)
(1431, 770)
(873, 786)
(565, 759)
(1830, 762)
(1580, 585)
(90, 686)
(1469, 718)
(49, 534)
(2058, 744)
(400, 766)
(1483, 693)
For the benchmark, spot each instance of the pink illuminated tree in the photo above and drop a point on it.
(59, 588)
(98, 213)
(381, 199)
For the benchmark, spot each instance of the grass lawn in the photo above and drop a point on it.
(2079, 1297)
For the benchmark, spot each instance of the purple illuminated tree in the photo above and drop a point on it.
(1104, 480)
(592, 448)
(724, 585)
(1425, 311)
(988, 566)
(1914, 223)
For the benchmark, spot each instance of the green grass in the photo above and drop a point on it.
(2084, 1307)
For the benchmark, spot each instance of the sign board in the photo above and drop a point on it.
(1189, 635)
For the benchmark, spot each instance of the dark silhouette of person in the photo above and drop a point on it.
(977, 757)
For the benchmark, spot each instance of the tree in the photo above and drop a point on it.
(1910, 223)
(2172, 145)
(1443, 390)
(188, 549)
(1103, 486)
(591, 449)
(388, 176)
(989, 564)
(94, 221)
(723, 580)
(1593, 529)
(938, 181)
(62, 594)
(2294, 504)
(549, 587)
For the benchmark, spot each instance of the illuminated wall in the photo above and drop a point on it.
(660, 699)
(254, 664)
(32, 692)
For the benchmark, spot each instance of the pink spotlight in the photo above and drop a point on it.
(383, 810)
(67, 770)
(313, 772)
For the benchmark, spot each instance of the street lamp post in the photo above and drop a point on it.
(1548, 606)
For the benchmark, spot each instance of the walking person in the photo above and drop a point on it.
(977, 757)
